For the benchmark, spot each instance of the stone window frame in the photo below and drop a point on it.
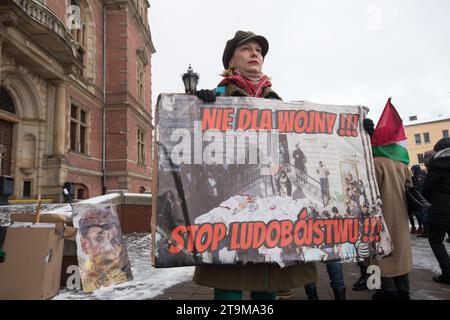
(426, 137)
(31, 184)
(79, 124)
(84, 190)
(417, 138)
(141, 146)
(140, 8)
(420, 158)
(140, 83)
(141, 64)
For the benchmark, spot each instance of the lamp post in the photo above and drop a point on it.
(67, 188)
(190, 80)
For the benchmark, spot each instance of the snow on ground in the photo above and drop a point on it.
(148, 282)
(423, 257)
(6, 211)
(67, 209)
(137, 195)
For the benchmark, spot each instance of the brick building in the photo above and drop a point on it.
(75, 100)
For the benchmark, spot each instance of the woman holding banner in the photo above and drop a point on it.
(243, 59)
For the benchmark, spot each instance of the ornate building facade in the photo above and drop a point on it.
(75, 98)
(423, 134)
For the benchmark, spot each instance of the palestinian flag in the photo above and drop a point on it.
(389, 139)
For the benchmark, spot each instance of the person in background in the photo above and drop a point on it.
(324, 183)
(363, 252)
(336, 275)
(418, 178)
(299, 161)
(436, 189)
(393, 177)
(427, 156)
(284, 184)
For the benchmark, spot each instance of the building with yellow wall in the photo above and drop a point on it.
(423, 134)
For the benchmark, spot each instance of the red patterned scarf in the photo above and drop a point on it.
(254, 89)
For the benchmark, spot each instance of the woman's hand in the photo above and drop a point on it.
(369, 126)
(206, 95)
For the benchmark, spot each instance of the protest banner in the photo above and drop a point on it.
(248, 180)
(102, 254)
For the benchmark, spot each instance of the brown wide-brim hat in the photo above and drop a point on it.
(242, 37)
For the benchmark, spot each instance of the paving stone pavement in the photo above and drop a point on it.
(421, 283)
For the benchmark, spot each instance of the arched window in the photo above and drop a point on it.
(82, 192)
(6, 102)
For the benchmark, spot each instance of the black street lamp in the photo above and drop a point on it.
(190, 80)
(67, 190)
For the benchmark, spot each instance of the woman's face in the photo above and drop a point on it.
(248, 57)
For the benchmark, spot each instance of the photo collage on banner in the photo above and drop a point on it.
(246, 180)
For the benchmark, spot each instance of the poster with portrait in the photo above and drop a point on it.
(102, 254)
(248, 180)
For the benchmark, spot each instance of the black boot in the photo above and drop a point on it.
(385, 295)
(361, 284)
(339, 293)
(403, 295)
(311, 293)
(443, 278)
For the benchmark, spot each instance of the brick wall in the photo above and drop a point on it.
(135, 218)
(92, 183)
(124, 35)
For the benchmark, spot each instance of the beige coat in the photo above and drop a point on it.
(392, 177)
(257, 277)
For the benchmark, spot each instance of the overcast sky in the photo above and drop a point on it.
(325, 51)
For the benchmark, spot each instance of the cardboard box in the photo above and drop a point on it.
(32, 265)
(70, 249)
(29, 217)
(68, 232)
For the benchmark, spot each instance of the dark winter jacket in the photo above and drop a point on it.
(300, 160)
(418, 177)
(436, 189)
